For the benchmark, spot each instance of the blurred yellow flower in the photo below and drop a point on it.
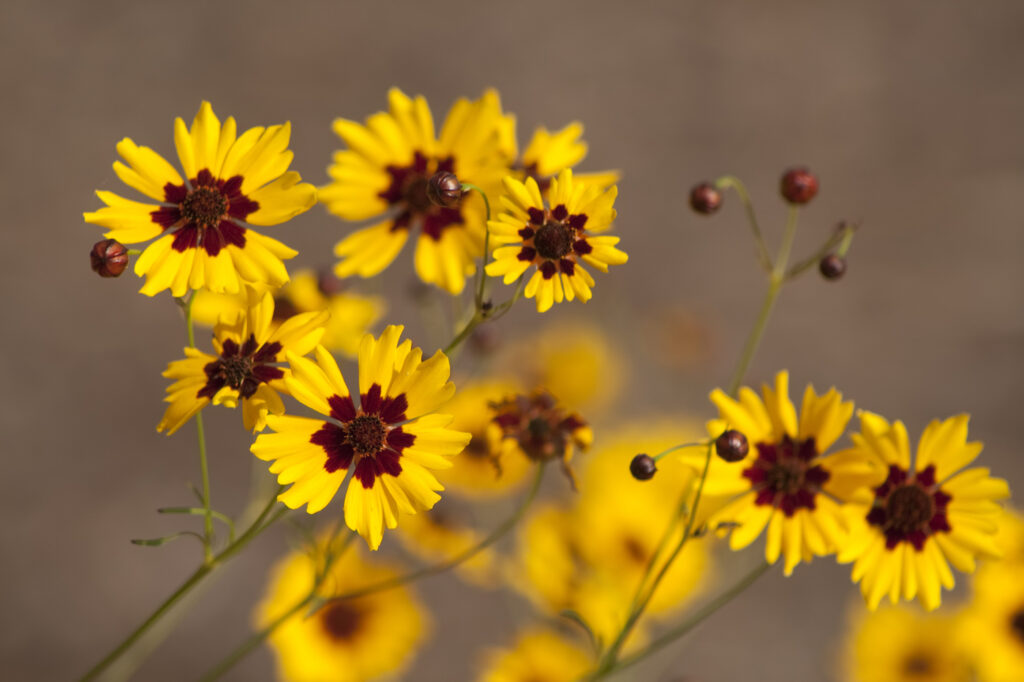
(538, 655)
(549, 153)
(347, 641)
(902, 644)
(436, 536)
(993, 624)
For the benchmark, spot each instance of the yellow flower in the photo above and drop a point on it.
(391, 439)
(244, 366)
(386, 168)
(352, 314)
(554, 239)
(347, 641)
(786, 482)
(993, 623)
(548, 154)
(205, 216)
(438, 537)
(539, 655)
(900, 644)
(487, 467)
(917, 518)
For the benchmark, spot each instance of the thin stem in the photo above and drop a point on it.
(487, 239)
(841, 237)
(257, 527)
(459, 558)
(674, 448)
(734, 183)
(693, 621)
(480, 316)
(203, 463)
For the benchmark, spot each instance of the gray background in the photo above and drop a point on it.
(910, 113)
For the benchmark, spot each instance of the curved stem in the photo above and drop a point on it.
(257, 527)
(734, 183)
(459, 558)
(487, 239)
(690, 623)
(480, 316)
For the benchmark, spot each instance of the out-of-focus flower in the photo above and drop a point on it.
(554, 239)
(437, 536)
(785, 482)
(487, 467)
(345, 641)
(993, 623)
(539, 655)
(549, 153)
(914, 519)
(391, 440)
(901, 644)
(387, 166)
(244, 368)
(205, 216)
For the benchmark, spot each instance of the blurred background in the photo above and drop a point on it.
(909, 113)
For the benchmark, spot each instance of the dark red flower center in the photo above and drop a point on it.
(370, 436)
(408, 191)
(243, 368)
(1017, 624)
(909, 508)
(556, 238)
(541, 428)
(342, 620)
(918, 664)
(205, 213)
(635, 549)
(786, 475)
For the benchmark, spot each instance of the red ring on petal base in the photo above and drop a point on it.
(785, 475)
(909, 508)
(205, 213)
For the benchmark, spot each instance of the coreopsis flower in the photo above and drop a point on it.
(203, 219)
(549, 153)
(788, 481)
(539, 655)
(352, 314)
(487, 467)
(915, 518)
(387, 434)
(349, 640)
(554, 237)
(901, 644)
(993, 623)
(542, 430)
(383, 176)
(244, 368)
(439, 536)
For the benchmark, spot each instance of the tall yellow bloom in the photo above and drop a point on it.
(230, 183)
(917, 517)
(387, 434)
(385, 170)
(555, 238)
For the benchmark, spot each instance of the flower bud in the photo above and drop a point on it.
(705, 199)
(444, 189)
(798, 186)
(109, 258)
(732, 446)
(832, 266)
(643, 467)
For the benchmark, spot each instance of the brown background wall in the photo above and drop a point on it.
(911, 113)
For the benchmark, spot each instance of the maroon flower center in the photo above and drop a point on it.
(408, 191)
(553, 240)
(557, 238)
(242, 368)
(541, 428)
(786, 475)
(909, 508)
(635, 549)
(1017, 624)
(341, 620)
(204, 206)
(371, 436)
(366, 434)
(918, 664)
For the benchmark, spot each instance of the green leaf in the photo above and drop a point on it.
(156, 542)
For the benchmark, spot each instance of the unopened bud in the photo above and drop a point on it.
(444, 189)
(109, 258)
(705, 199)
(643, 467)
(732, 446)
(798, 186)
(832, 266)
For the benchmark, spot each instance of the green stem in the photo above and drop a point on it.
(459, 558)
(690, 623)
(487, 239)
(257, 527)
(480, 316)
(841, 237)
(734, 183)
(203, 463)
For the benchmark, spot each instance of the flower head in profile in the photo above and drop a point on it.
(919, 516)
(202, 220)
(539, 655)
(787, 482)
(902, 644)
(383, 176)
(244, 366)
(549, 153)
(556, 237)
(345, 641)
(386, 433)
